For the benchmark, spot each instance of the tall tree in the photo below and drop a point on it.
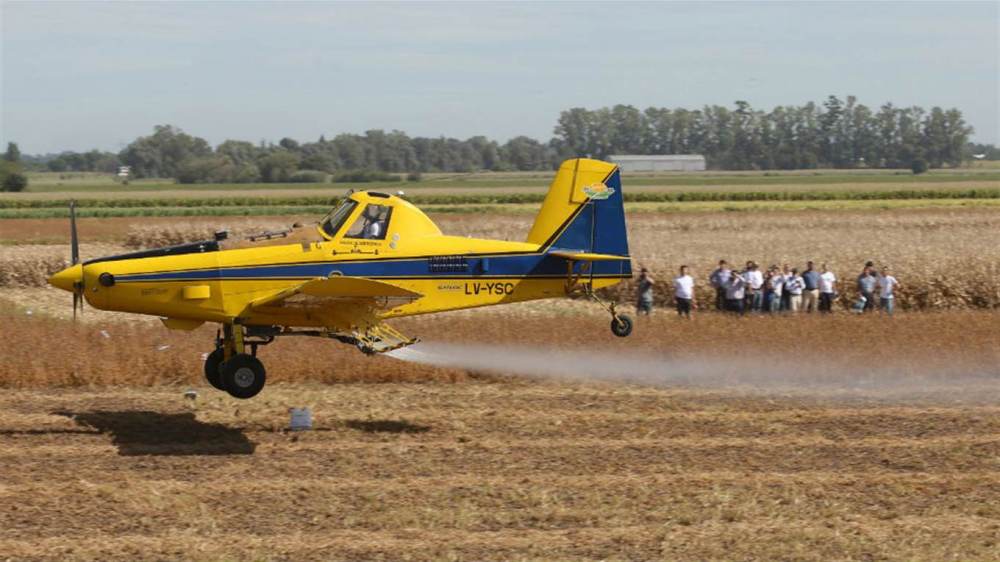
(160, 154)
(13, 153)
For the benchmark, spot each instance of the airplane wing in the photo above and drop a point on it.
(586, 256)
(348, 306)
(324, 291)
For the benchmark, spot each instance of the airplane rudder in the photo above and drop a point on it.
(611, 233)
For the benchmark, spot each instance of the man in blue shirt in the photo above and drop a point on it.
(720, 280)
(866, 286)
(810, 293)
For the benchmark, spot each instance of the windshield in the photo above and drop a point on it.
(336, 219)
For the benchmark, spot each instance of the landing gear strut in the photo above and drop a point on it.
(621, 324)
(230, 368)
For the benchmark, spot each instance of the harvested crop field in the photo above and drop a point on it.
(893, 459)
(494, 472)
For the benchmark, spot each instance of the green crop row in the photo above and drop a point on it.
(104, 212)
(498, 199)
(195, 202)
(318, 211)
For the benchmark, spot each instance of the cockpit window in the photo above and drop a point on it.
(372, 223)
(336, 219)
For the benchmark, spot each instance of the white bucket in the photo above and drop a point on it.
(301, 419)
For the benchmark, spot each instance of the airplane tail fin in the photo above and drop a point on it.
(583, 211)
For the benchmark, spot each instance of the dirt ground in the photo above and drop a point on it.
(477, 466)
(495, 471)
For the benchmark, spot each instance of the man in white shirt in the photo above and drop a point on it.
(794, 284)
(735, 294)
(755, 287)
(827, 290)
(887, 285)
(684, 293)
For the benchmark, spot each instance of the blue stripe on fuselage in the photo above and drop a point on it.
(525, 265)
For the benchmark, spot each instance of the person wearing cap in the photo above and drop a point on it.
(644, 304)
(887, 285)
(684, 293)
(810, 293)
(719, 279)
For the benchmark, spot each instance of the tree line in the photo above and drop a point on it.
(835, 134)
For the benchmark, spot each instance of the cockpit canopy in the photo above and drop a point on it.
(371, 216)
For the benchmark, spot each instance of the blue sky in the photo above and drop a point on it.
(87, 75)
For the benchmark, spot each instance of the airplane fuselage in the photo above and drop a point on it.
(450, 272)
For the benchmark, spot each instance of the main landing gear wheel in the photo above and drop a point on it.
(243, 376)
(621, 325)
(212, 368)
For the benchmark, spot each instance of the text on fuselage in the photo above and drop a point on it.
(487, 288)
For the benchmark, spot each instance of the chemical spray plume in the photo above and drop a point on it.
(747, 373)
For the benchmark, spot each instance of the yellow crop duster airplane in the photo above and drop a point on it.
(376, 257)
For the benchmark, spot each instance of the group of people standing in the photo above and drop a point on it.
(872, 281)
(784, 289)
(775, 290)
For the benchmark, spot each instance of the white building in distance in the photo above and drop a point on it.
(659, 162)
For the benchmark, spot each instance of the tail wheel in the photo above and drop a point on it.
(212, 364)
(621, 325)
(243, 376)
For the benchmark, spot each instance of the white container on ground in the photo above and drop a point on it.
(300, 419)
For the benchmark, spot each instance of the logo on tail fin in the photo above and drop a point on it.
(598, 191)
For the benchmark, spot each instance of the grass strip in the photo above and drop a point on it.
(506, 208)
(542, 179)
(500, 199)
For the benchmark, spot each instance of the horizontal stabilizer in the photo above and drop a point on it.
(586, 256)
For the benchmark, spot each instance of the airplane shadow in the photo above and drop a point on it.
(386, 426)
(139, 432)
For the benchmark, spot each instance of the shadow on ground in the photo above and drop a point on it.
(141, 432)
(386, 426)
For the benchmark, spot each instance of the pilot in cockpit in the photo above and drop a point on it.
(374, 228)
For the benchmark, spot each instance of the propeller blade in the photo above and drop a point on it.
(73, 240)
(76, 299)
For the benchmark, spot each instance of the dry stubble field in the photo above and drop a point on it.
(895, 459)
(756, 439)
